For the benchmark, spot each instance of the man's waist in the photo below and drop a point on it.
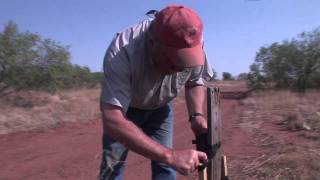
(149, 108)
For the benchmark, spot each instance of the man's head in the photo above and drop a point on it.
(176, 41)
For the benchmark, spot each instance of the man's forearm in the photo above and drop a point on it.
(132, 137)
(195, 97)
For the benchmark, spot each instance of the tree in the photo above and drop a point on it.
(290, 64)
(25, 58)
(227, 76)
(242, 76)
(255, 78)
(214, 76)
(29, 62)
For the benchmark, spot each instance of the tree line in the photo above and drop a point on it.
(293, 64)
(28, 61)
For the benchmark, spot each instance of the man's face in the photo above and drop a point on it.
(162, 59)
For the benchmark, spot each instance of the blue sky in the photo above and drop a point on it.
(234, 29)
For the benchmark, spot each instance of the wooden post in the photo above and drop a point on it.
(214, 133)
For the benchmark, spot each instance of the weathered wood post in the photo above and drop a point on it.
(214, 168)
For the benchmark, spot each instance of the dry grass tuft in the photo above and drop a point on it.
(29, 110)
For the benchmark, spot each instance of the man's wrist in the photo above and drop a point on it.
(168, 156)
(193, 116)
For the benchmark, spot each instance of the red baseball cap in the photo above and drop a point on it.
(179, 29)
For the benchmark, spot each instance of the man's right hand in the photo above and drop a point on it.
(186, 161)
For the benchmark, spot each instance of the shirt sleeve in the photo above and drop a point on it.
(116, 86)
(200, 75)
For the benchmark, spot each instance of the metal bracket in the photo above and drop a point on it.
(202, 145)
(212, 150)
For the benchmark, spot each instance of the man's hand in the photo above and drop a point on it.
(186, 161)
(199, 125)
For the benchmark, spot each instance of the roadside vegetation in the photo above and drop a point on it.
(284, 110)
(30, 62)
(287, 127)
(292, 64)
(284, 130)
(29, 110)
(38, 82)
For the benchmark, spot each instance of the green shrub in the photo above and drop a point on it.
(291, 64)
(29, 62)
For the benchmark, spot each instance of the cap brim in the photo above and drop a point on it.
(186, 57)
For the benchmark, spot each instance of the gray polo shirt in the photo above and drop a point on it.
(131, 78)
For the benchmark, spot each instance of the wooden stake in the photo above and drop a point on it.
(214, 133)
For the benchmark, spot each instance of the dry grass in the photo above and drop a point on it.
(227, 86)
(286, 163)
(293, 113)
(29, 110)
(294, 110)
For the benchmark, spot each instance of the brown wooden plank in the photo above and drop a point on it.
(203, 175)
(224, 171)
(214, 132)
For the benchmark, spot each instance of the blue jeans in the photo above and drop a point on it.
(158, 125)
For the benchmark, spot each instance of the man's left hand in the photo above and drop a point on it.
(199, 125)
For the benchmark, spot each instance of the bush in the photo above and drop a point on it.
(29, 62)
(227, 76)
(291, 64)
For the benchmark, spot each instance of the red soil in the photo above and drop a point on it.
(73, 151)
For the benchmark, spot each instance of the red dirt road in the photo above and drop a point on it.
(73, 151)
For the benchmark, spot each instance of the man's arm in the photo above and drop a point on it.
(195, 97)
(127, 133)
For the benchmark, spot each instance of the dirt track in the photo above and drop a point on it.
(72, 151)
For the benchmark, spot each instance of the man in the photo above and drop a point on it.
(145, 67)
